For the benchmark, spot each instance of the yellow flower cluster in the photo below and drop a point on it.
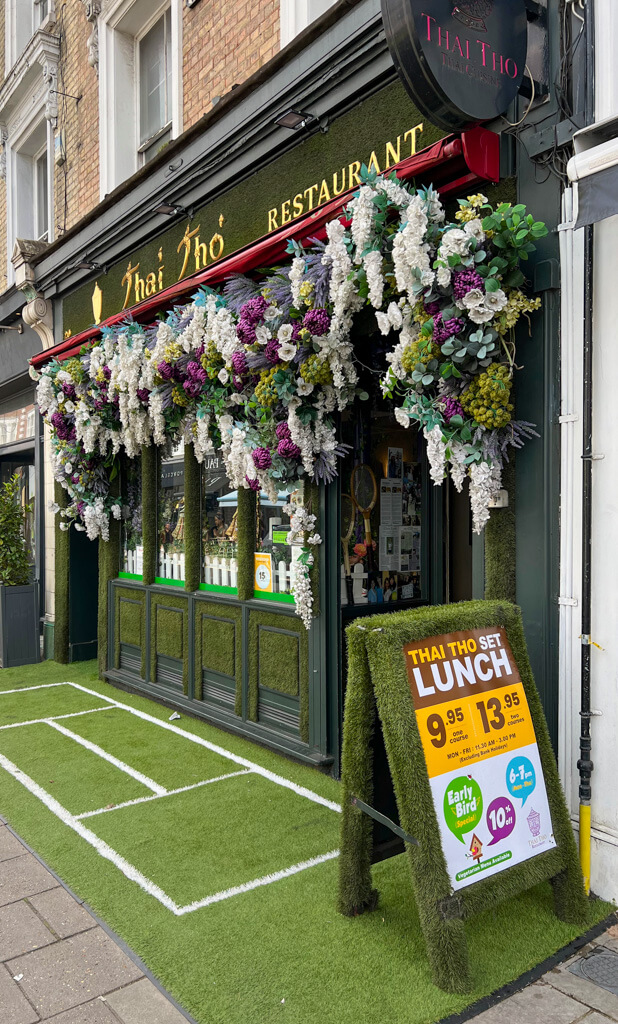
(99, 376)
(211, 360)
(420, 314)
(419, 352)
(316, 371)
(179, 396)
(516, 306)
(487, 397)
(471, 211)
(172, 352)
(265, 390)
(75, 368)
(306, 292)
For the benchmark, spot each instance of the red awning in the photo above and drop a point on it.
(456, 163)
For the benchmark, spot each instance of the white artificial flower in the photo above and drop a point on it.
(79, 528)
(223, 375)
(64, 527)
(68, 468)
(480, 314)
(116, 511)
(314, 539)
(402, 417)
(474, 229)
(285, 332)
(262, 335)
(303, 387)
(474, 298)
(297, 273)
(225, 423)
(69, 406)
(436, 453)
(496, 301)
(271, 312)
(53, 506)
(287, 351)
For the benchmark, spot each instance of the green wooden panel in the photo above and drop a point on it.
(130, 622)
(168, 632)
(288, 640)
(279, 661)
(218, 645)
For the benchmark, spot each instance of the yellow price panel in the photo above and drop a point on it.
(458, 733)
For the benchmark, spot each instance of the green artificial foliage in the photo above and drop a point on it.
(129, 622)
(14, 558)
(149, 512)
(109, 564)
(500, 569)
(169, 632)
(61, 583)
(377, 667)
(274, 639)
(246, 542)
(193, 526)
(218, 645)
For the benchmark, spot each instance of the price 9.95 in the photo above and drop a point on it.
(436, 727)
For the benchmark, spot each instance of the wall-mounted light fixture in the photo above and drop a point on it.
(86, 264)
(171, 209)
(9, 327)
(295, 119)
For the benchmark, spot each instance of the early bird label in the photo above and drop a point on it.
(481, 752)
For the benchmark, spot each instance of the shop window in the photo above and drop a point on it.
(29, 194)
(296, 15)
(140, 84)
(382, 512)
(132, 543)
(171, 517)
(275, 558)
(23, 18)
(219, 529)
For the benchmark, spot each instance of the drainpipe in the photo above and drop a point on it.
(584, 764)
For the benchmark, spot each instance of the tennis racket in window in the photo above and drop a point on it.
(364, 495)
(348, 518)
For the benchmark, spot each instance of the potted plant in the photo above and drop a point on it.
(19, 633)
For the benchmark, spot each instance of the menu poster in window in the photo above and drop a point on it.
(395, 464)
(481, 752)
(391, 507)
(389, 548)
(410, 546)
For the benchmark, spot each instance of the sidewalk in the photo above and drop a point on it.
(562, 997)
(56, 962)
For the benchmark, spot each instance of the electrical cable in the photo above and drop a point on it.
(515, 124)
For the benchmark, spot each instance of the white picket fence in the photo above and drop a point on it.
(220, 572)
(171, 567)
(359, 584)
(134, 561)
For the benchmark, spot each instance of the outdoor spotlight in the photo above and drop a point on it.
(87, 264)
(295, 119)
(171, 209)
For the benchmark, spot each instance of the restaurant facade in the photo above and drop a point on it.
(195, 599)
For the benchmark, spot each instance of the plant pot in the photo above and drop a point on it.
(19, 625)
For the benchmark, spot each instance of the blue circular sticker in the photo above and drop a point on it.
(521, 778)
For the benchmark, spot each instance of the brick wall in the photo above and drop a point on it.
(223, 44)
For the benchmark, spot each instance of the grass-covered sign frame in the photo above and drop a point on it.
(378, 683)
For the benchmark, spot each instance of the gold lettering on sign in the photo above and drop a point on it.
(128, 280)
(161, 267)
(97, 303)
(417, 128)
(186, 242)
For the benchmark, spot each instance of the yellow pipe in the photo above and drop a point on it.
(584, 843)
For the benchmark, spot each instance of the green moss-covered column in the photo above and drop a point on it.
(193, 531)
(149, 513)
(109, 564)
(61, 583)
(500, 576)
(246, 542)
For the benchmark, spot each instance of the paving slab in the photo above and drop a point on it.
(587, 992)
(23, 876)
(14, 1008)
(10, 846)
(538, 1004)
(96, 1012)
(595, 1018)
(142, 1001)
(73, 971)
(21, 931)
(64, 915)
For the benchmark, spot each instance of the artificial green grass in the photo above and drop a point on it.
(237, 960)
(53, 700)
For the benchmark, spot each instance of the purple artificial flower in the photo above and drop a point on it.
(107, 373)
(296, 331)
(464, 281)
(65, 431)
(443, 330)
(254, 485)
(245, 332)
(432, 308)
(75, 478)
(271, 351)
(317, 321)
(253, 310)
(283, 431)
(192, 388)
(142, 394)
(164, 370)
(262, 458)
(452, 407)
(239, 362)
(196, 372)
(288, 450)
(68, 390)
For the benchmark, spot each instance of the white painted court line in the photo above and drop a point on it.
(41, 686)
(271, 776)
(237, 890)
(126, 768)
(102, 848)
(170, 792)
(53, 718)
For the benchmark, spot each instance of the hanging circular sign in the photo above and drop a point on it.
(461, 61)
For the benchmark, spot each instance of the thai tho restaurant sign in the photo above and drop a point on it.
(481, 752)
(379, 132)
(461, 61)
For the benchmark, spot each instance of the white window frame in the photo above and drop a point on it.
(122, 24)
(27, 118)
(142, 147)
(43, 151)
(10, 26)
(296, 15)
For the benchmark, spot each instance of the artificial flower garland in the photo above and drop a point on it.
(260, 369)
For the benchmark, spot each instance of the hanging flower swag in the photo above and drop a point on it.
(260, 369)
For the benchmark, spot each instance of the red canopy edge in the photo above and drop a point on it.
(455, 162)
